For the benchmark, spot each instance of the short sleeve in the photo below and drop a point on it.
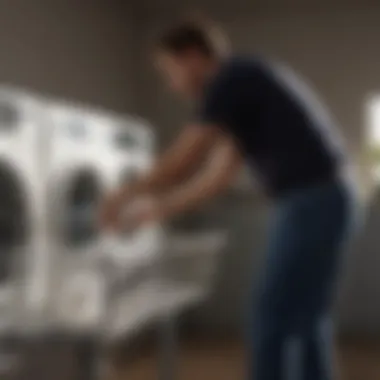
(223, 98)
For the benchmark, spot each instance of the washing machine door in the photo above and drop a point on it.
(76, 197)
(14, 219)
(15, 232)
(77, 283)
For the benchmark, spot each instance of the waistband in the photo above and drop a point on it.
(343, 176)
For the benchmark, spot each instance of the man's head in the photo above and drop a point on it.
(187, 55)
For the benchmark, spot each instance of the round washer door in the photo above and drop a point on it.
(14, 220)
(77, 204)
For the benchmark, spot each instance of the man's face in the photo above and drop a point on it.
(185, 73)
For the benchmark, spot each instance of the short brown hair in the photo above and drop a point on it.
(193, 35)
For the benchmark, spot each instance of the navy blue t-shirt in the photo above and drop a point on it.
(281, 128)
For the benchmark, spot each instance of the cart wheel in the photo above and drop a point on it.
(168, 348)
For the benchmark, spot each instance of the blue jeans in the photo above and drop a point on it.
(292, 332)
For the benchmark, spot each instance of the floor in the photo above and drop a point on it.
(207, 360)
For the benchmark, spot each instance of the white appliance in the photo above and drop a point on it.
(22, 213)
(77, 183)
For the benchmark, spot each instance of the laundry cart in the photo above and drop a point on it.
(178, 279)
(121, 308)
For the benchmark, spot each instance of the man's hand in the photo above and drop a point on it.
(177, 163)
(119, 213)
(111, 211)
(142, 212)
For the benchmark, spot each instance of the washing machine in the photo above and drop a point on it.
(77, 183)
(22, 213)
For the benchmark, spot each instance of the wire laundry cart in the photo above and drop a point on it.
(152, 292)
(178, 279)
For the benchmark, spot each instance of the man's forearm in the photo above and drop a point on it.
(189, 197)
(177, 164)
(205, 186)
(154, 183)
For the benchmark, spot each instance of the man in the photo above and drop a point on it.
(250, 110)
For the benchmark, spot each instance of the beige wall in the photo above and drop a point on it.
(70, 48)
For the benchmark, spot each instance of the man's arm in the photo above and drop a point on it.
(181, 159)
(184, 156)
(222, 167)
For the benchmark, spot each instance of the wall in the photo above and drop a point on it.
(69, 48)
(338, 52)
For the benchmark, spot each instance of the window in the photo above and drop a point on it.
(372, 138)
